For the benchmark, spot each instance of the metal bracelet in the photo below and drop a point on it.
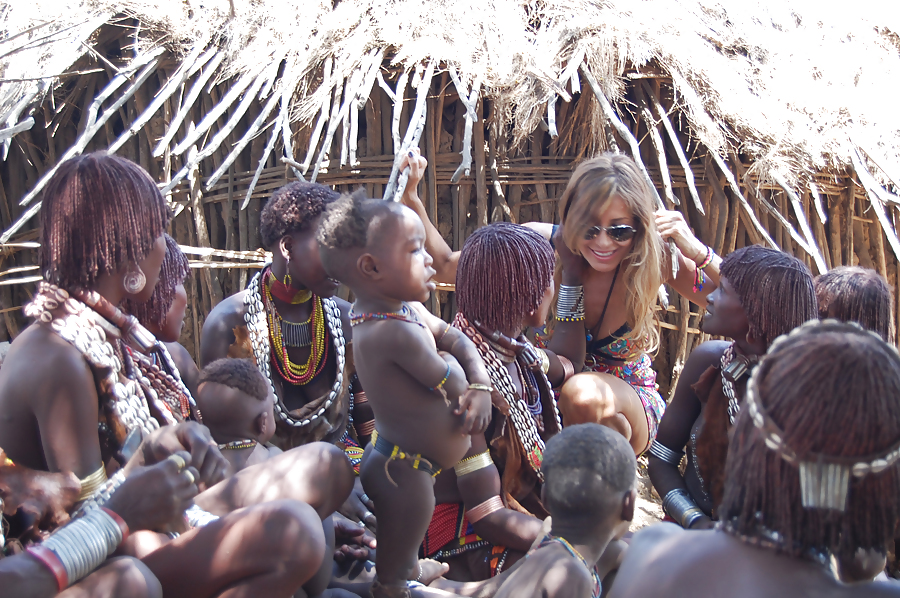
(83, 544)
(680, 506)
(570, 302)
(665, 454)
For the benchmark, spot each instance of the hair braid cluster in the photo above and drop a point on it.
(504, 271)
(776, 290)
(832, 388)
(854, 294)
(175, 268)
(100, 213)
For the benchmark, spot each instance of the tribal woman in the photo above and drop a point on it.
(612, 261)
(763, 293)
(88, 410)
(855, 294)
(812, 476)
(489, 508)
(298, 334)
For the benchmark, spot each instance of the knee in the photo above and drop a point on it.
(586, 398)
(292, 532)
(133, 578)
(336, 470)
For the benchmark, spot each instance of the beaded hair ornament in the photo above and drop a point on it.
(824, 479)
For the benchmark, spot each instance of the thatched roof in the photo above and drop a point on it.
(771, 121)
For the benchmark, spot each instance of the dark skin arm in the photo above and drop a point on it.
(503, 527)
(218, 329)
(190, 375)
(675, 427)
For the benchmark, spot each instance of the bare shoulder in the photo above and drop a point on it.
(560, 574)
(706, 354)
(40, 345)
(344, 306)
(542, 228)
(653, 535)
(218, 329)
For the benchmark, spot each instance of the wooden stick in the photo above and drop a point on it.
(817, 202)
(188, 103)
(469, 100)
(270, 145)
(551, 117)
(179, 77)
(656, 140)
(876, 197)
(328, 71)
(481, 207)
(397, 182)
(811, 246)
(252, 131)
(673, 137)
(10, 132)
(397, 99)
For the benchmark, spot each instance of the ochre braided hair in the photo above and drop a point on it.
(593, 185)
(100, 212)
(504, 270)
(175, 268)
(854, 294)
(775, 289)
(831, 388)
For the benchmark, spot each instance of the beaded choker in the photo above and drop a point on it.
(283, 292)
(258, 329)
(237, 445)
(406, 314)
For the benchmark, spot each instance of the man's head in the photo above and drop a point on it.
(589, 473)
(233, 397)
(854, 294)
(287, 227)
(376, 247)
(824, 394)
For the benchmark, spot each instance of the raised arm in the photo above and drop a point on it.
(692, 254)
(675, 427)
(445, 259)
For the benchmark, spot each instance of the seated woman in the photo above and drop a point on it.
(810, 475)
(854, 294)
(102, 241)
(763, 293)
(614, 259)
(489, 508)
(298, 334)
(163, 313)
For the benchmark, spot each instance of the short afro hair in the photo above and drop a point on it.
(291, 209)
(240, 374)
(584, 465)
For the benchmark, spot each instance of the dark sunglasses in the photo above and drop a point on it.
(620, 233)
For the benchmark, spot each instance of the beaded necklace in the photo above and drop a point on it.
(406, 314)
(237, 444)
(524, 425)
(286, 293)
(297, 375)
(772, 540)
(571, 550)
(174, 397)
(260, 341)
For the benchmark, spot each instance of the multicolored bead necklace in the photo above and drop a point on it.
(297, 375)
(406, 314)
(237, 444)
(571, 549)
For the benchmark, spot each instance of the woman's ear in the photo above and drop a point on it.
(286, 246)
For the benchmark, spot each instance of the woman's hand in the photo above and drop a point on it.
(152, 497)
(358, 507)
(410, 197)
(574, 265)
(350, 540)
(188, 436)
(671, 225)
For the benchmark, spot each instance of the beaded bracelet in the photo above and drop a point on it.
(699, 277)
(443, 380)
(569, 319)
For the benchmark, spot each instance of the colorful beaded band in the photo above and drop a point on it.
(440, 384)
(699, 276)
(479, 512)
(473, 463)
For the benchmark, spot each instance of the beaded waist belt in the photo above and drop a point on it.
(392, 452)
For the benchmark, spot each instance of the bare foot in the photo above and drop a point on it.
(429, 570)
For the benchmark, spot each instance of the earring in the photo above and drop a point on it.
(135, 281)
(287, 273)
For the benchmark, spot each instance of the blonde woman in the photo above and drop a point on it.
(612, 261)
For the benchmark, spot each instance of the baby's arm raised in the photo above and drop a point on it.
(474, 402)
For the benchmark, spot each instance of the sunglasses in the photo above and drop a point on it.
(620, 233)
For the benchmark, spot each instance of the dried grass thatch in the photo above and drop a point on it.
(765, 121)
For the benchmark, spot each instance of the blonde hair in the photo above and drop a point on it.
(593, 184)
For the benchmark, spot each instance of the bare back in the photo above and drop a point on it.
(549, 572)
(667, 560)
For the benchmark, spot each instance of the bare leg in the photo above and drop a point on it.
(403, 513)
(317, 585)
(265, 550)
(603, 399)
(122, 576)
(317, 474)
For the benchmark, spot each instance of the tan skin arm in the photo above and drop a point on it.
(445, 259)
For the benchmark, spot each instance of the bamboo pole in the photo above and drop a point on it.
(397, 181)
(470, 101)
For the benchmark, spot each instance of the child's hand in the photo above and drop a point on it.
(476, 404)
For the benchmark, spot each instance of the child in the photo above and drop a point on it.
(233, 398)
(423, 400)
